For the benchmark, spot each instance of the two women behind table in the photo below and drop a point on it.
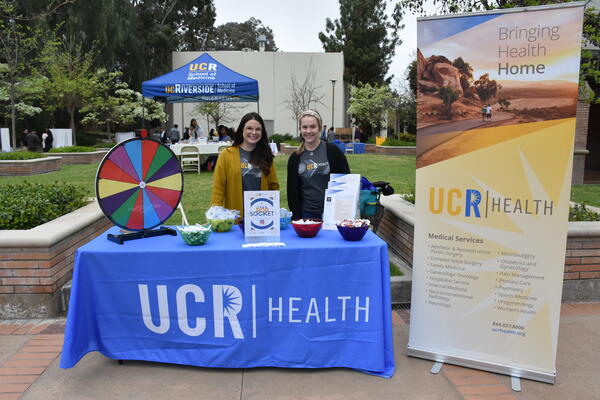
(247, 165)
(309, 168)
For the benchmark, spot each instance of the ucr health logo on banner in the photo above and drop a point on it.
(261, 216)
(497, 95)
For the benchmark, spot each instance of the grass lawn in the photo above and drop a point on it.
(398, 170)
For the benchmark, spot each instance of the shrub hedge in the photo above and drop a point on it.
(20, 155)
(27, 205)
(73, 149)
(579, 212)
(396, 142)
(279, 138)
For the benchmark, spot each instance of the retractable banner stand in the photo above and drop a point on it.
(497, 94)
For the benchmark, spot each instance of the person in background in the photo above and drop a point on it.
(174, 134)
(309, 168)
(246, 165)
(164, 136)
(24, 137)
(331, 135)
(358, 134)
(186, 135)
(196, 131)
(324, 133)
(33, 142)
(47, 140)
(214, 136)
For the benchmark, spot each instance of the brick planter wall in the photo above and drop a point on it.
(582, 262)
(81, 158)
(396, 150)
(285, 149)
(29, 167)
(35, 263)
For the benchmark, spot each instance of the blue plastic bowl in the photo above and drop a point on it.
(352, 234)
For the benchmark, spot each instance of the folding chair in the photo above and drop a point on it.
(190, 159)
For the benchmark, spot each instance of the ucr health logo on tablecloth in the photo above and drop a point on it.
(261, 216)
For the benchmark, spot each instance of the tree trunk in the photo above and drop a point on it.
(13, 114)
(72, 124)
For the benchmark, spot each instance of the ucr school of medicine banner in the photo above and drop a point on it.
(497, 96)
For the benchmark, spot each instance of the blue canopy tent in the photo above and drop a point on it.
(202, 80)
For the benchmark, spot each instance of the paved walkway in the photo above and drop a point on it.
(29, 355)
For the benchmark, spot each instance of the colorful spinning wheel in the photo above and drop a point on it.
(139, 184)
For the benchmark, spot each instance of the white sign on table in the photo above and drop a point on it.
(261, 216)
(341, 199)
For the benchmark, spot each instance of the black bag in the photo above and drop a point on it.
(384, 187)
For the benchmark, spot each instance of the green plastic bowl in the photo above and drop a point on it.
(221, 225)
(194, 238)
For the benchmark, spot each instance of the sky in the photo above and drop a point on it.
(296, 25)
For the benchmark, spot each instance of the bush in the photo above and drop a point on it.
(72, 149)
(408, 137)
(106, 145)
(20, 155)
(579, 212)
(293, 142)
(396, 142)
(27, 205)
(279, 138)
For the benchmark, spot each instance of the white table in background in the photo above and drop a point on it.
(203, 148)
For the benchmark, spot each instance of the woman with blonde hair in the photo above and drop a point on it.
(309, 168)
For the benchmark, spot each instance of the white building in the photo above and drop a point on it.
(274, 71)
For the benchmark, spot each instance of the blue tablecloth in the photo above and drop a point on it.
(320, 302)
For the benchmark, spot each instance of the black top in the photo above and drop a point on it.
(337, 165)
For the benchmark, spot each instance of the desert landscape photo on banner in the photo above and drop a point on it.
(491, 70)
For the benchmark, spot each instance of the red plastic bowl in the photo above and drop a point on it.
(352, 234)
(308, 230)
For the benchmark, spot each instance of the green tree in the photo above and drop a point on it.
(240, 35)
(486, 88)
(20, 40)
(112, 102)
(411, 76)
(67, 77)
(219, 113)
(448, 96)
(369, 105)
(367, 37)
(109, 26)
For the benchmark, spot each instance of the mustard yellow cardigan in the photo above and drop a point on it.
(227, 181)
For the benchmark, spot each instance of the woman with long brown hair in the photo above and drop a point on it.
(246, 165)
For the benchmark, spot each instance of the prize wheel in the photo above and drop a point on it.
(139, 184)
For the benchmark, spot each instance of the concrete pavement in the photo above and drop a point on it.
(29, 357)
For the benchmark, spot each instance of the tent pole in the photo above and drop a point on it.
(182, 118)
(257, 107)
(143, 112)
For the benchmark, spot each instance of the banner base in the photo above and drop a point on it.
(482, 365)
